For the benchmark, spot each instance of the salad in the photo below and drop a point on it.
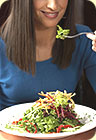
(52, 114)
(62, 33)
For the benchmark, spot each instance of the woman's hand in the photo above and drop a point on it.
(93, 38)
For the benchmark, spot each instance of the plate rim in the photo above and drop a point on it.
(45, 136)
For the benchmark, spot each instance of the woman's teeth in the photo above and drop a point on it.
(51, 15)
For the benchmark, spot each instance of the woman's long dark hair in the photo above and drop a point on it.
(19, 36)
(62, 50)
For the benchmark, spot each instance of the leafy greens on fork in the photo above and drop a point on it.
(62, 33)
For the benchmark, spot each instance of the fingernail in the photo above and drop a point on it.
(94, 48)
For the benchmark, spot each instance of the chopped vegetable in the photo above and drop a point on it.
(63, 126)
(52, 114)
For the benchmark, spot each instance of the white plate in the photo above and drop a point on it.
(15, 112)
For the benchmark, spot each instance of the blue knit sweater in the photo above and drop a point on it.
(21, 87)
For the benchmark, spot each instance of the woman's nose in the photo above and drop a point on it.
(52, 4)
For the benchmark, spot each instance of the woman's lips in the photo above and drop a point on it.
(50, 15)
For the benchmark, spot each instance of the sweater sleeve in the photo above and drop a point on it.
(90, 64)
(88, 60)
(90, 69)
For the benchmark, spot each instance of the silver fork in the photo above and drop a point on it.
(76, 35)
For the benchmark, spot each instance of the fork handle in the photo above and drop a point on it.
(76, 35)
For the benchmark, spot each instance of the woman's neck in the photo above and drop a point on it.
(44, 43)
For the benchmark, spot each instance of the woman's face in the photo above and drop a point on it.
(49, 12)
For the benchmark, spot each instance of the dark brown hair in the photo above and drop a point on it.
(19, 36)
(62, 50)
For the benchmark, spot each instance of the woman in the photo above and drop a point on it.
(33, 60)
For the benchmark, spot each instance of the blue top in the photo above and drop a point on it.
(20, 87)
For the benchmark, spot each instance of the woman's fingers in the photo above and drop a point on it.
(93, 38)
